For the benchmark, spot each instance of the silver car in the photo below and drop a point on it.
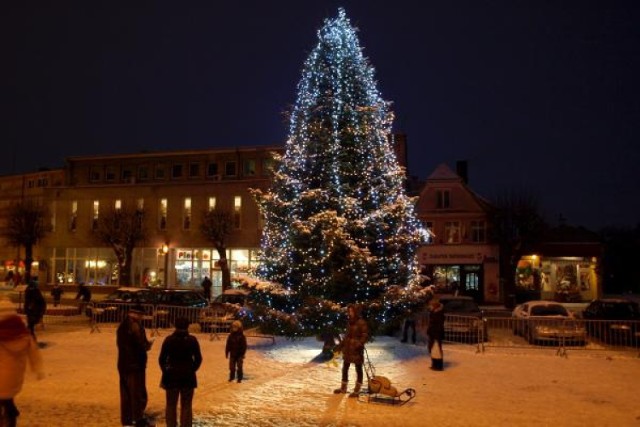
(547, 321)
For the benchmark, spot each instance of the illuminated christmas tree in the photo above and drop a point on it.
(339, 227)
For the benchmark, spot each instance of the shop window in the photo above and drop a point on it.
(443, 199)
(478, 231)
(452, 233)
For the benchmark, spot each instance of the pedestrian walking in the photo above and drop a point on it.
(56, 294)
(84, 295)
(34, 306)
(352, 347)
(133, 345)
(18, 349)
(179, 360)
(206, 287)
(235, 351)
(435, 333)
(410, 324)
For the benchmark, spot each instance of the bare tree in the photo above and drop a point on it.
(26, 226)
(216, 226)
(516, 226)
(122, 229)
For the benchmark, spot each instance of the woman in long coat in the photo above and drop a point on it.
(352, 346)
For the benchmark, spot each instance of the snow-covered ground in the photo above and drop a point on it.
(285, 385)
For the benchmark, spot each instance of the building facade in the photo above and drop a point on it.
(459, 256)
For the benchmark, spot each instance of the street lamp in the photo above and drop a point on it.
(165, 252)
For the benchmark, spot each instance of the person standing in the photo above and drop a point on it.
(206, 286)
(410, 323)
(56, 294)
(84, 295)
(235, 350)
(17, 349)
(179, 360)
(34, 306)
(435, 332)
(133, 345)
(352, 347)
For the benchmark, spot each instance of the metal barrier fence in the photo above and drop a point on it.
(560, 334)
(159, 317)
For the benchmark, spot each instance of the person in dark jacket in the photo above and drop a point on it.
(56, 294)
(206, 287)
(352, 347)
(84, 295)
(235, 350)
(435, 332)
(132, 364)
(34, 306)
(179, 360)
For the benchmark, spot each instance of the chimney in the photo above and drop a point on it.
(461, 170)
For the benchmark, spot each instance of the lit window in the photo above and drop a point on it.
(73, 222)
(237, 210)
(452, 232)
(95, 215)
(212, 203)
(118, 205)
(162, 224)
(186, 213)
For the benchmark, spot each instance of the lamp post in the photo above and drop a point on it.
(165, 253)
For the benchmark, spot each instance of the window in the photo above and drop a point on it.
(212, 169)
(478, 231)
(143, 172)
(443, 199)
(95, 215)
(186, 214)
(212, 203)
(249, 167)
(160, 171)
(177, 171)
(110, 174)
(53, 216)
(73, 220)
(117, 205)
(230, 169)
(237, 210)
(162, 224)
(267, 165)
(95, 174)
(428, 225)
(140, 211)
(194, 170)
(127, 174)
(452, 232)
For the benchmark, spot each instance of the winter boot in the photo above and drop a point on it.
(437, 364)
(356, 390)
(342, 389)
(232, 375)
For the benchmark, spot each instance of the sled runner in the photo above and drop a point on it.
(379, 388)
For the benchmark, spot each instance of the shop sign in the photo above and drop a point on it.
(455, 255)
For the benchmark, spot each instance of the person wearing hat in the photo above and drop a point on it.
(352, 347)
(17, 349)
(179, 360)
(235, 350)
(133, 345)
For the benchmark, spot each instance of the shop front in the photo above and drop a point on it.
(463, 269)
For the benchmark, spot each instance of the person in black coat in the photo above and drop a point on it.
(132, 364)
(235, 350)
(34, 306)
(435, 332)
(206, 286)
(179, 360)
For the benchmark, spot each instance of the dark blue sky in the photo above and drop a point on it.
(535, 95)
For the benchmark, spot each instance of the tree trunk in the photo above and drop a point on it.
(224, 269)
(28, 260)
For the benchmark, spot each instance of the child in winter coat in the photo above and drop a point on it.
(235, 350)
(17, 347)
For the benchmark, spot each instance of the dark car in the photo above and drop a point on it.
(161, 306)
(615, 321)
(464, 320)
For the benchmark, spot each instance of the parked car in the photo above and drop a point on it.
(613, 320)
(464, 320)
(232, 304)
(161, 305)
(547, 321)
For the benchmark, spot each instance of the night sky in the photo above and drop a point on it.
(538, 96)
